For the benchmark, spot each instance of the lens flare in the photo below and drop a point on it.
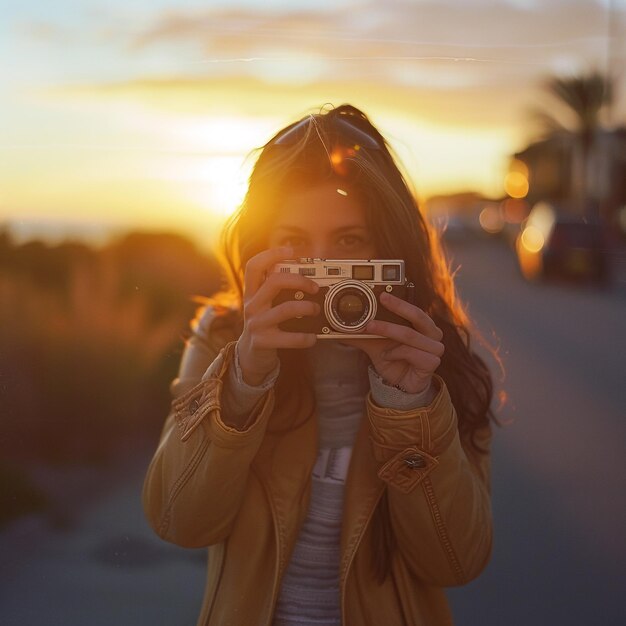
(340, 157)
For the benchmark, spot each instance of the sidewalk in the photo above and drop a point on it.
(109, 568)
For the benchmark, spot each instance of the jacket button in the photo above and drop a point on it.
(194, 405)
(415, 461)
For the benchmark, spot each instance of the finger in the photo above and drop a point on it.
(369, 346)
(406, 336)
(421, 321)
(273, 285)
(286, 311)
(419, 359)
(279, 339)
(276, 282)
(258, 266)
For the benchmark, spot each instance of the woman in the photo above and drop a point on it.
(341, 481)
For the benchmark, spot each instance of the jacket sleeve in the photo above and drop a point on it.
(438, 490)
(196, 480)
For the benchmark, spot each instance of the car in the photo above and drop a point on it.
(556, 243)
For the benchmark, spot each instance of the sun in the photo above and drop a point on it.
(227, 182)
(218, 184)
(206, 160)
(216, 169)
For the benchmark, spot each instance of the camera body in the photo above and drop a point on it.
(348, 294)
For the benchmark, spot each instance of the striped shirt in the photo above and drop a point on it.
(309, 593)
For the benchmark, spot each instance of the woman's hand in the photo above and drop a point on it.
(407, 357)
(261, 336)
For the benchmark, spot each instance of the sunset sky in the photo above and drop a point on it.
(121, 115)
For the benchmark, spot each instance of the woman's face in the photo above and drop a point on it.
(324, 222)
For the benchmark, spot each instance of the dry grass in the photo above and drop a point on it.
(89, 344)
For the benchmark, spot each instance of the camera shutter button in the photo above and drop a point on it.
(299, 295)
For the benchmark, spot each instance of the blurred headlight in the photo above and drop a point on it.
(532, 239)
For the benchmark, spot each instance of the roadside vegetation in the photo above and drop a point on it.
(89, 341)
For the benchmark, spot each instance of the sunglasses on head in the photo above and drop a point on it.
(341, 131)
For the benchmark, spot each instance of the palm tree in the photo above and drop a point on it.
(582, 101)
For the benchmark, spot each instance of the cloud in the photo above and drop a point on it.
(462, 58)
(487, 108)
(41, 31)
(443, 46)
(398, 31)
(471, 63)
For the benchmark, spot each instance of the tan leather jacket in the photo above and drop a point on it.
(245, 494)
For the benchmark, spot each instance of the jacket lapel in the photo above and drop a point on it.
(363, 490)
(284, 464)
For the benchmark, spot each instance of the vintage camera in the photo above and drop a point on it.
(348, 295)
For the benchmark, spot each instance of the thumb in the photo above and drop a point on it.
(371, 347)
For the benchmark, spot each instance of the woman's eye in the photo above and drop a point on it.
(350, 241)
(294, 242)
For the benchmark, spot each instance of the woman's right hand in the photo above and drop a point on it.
(261, 336)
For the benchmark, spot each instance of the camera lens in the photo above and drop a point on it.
(350, 307)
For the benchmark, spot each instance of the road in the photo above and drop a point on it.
(558, 463)
(558, 485)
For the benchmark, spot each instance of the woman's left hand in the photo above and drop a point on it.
(407, 357)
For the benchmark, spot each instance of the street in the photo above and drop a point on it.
(558, 471)
(558, 484)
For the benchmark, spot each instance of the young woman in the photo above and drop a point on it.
(334, 481)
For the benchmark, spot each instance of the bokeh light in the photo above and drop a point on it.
(532, 239)
(516, 185)
(491, 220)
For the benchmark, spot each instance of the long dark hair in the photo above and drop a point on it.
(342, 144)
